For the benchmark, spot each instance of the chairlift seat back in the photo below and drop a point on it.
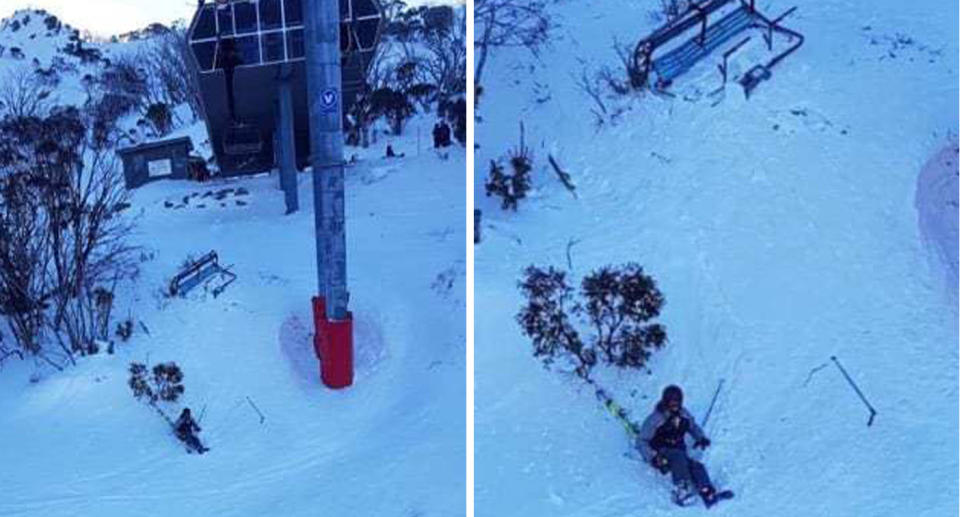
(684, 57)
(242, 139)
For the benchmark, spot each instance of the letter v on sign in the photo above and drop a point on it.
(330, 99)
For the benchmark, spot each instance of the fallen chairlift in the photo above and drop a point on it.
(709, 37)
(202, 271)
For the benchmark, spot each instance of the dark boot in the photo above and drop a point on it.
(709, 495)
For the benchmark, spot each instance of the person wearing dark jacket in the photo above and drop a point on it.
(441, 134)
(661, 442)
(186, 429)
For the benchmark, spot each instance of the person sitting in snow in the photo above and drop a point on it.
(393, 154)
(661, 443)
(186, 429)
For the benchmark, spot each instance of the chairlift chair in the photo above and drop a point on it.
(241, 139)
(710, 36)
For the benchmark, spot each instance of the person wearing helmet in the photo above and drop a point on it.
(661, 442)
(186, 429)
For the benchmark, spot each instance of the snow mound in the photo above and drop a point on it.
(936, 202)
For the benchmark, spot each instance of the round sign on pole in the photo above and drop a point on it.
(330, 99)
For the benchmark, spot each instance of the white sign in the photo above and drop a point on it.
(158, 168)
(329, 99)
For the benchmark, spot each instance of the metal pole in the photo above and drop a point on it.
(873, 412)
(712, 402)
(288, 156)
(322, 41)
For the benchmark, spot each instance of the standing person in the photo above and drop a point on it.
(444, 134)
(437, 135)
(661, 442)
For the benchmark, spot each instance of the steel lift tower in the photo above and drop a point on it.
(274, 78)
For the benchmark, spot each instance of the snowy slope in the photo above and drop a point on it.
(782, 230)
(76, 443)
(43, 48)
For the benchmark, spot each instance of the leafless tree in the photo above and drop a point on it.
(89, 248)
(508, 23)
(590, 85)
(63, 238)
(362, 112)
(169, 73)
(446, 60)
(22, 94)
(24, 257)
(673, 9)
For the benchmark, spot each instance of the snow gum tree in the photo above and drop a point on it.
(63, 238)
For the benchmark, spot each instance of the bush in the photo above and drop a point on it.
(61, 234)
(124, 329)
(164, 383)
(393, 104)
(456, 114)
(160, 116)
(52, 23)
(616, 303)
(511, 187)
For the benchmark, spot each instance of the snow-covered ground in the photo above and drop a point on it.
(782, 230)
(76, 443)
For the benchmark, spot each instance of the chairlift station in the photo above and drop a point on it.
(258, 42)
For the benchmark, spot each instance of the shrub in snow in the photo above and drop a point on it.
(52, 23)
(85, 54)
(394, 105)
(160, 116)
(620, 303)
(48, 77)
(500, 184)
(455, 111)
(617, 304)
(164, 382)
(511, 186)
(124, 329)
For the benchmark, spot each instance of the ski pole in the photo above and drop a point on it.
(873, 412)
(712, 402)
(255, 408)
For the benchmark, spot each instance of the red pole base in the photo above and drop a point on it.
(333, 344)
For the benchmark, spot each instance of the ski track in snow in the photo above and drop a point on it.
(782, 230)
